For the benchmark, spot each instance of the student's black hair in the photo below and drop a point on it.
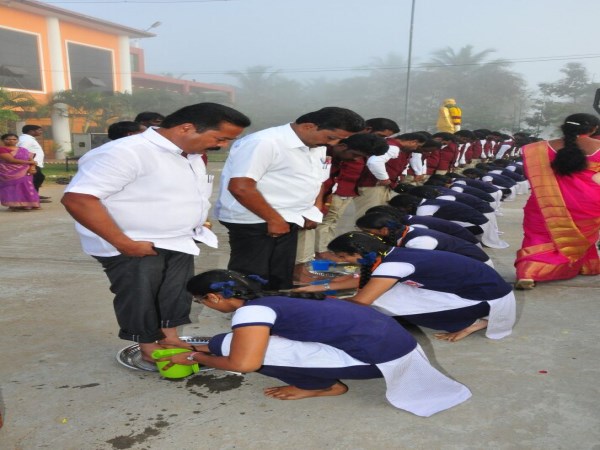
(465, 133)
(230, 283)
(382, 124)
(412, 137)
(571, 158)
(398, 215)
(206, 116)
(502, 163)
(403, 188)
(427, 192)
(148, 116)
(427, 134)
(379, 220)
(405, 202)
(366, 143)
(444, 136)
(442, 177)
(4, 136)
(332, 118)
(122, 129)
(28, 128)
(481, 133)
(438, 180)
(473, 173)
(482, 167)
(371, 248)
(430, 143)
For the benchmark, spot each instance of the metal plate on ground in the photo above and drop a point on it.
(131, 357)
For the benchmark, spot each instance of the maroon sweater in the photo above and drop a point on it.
(346, 174)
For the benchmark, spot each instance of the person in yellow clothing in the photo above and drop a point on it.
(450, 116)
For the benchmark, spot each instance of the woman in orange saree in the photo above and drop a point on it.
(562, 216)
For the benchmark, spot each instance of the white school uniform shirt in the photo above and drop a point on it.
(503, 149)
(417, 164)
(31, 144)
(150, 190)
(462, 152)
(376, 164)
(288, 174)
(483, 154)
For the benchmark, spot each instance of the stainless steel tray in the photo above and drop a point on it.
(131, 357)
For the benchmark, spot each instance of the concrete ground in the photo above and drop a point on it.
(62, 388)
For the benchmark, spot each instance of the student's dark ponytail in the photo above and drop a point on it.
(370, 247)
(365, 275)
(571, 158)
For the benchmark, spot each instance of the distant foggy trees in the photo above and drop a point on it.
(489, 92)
(573, 93)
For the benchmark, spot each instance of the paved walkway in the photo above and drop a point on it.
(61, 387)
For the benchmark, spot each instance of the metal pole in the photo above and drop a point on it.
(410, 40)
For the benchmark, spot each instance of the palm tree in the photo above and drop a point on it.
(487, 90)
(88, 105)
(464, 57)
(15, 105)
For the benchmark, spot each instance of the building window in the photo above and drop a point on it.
(90, 68)
(19, 61)
(135, 62)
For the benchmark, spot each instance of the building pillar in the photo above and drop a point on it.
(61, 132)
(125, 65)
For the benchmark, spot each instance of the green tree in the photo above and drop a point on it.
(87, 105)
(573, 93)
(489, 92)
(14, 106)
(267, 97)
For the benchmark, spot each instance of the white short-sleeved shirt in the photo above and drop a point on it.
(150, 190)
(31, 144)
(376, 164)
(417, 164)
(288, 174)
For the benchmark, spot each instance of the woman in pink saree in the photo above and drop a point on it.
(562, 216)
(16, 167)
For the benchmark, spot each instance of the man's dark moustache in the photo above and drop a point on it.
(212, 149)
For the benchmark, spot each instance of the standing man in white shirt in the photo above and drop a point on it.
(270, 189)
(29, 141)
(140, 202)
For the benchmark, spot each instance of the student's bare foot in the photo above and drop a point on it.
(479, 324)
(294, 393)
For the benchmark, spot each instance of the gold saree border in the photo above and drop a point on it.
(565, 234)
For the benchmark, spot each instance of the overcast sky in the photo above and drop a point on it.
(205, 39)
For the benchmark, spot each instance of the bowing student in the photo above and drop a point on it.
(439, 290)
(312, 343)
(396, 234)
